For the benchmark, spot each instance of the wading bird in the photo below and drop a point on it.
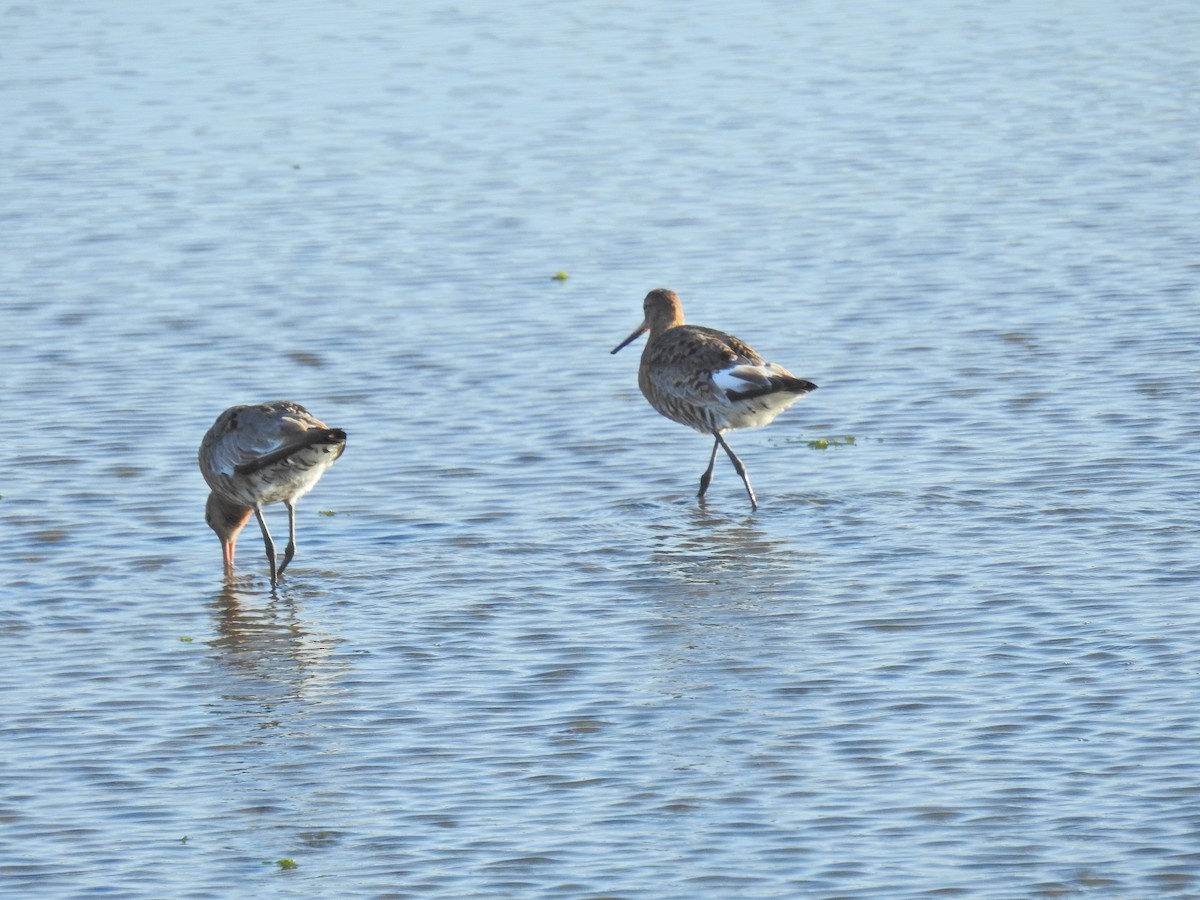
(256, 455)
(708, 380)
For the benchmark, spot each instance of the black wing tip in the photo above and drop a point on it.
(796, 386)
(335, 437)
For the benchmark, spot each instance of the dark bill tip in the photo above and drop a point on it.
(638, 332)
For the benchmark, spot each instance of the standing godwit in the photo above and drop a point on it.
(255, 455)
(708, 380)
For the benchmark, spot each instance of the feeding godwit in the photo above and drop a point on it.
(255, 455)
(708, 380)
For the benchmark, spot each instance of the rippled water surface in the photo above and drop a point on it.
(955, 652)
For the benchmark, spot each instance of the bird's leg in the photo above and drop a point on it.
(268, 544)
(707, 476)
(741, 470)
(291, 544)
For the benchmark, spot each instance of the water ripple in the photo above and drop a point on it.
(514, 656)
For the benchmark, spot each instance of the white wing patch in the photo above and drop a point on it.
(739, 378)
(750, 412)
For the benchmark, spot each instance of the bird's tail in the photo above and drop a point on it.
(779, 384)
(333, 437)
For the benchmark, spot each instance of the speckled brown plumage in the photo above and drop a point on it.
(707, 379)
(260, 454)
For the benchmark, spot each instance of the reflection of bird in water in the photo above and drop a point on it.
(278, 657)
(708, 380)
(256, 455)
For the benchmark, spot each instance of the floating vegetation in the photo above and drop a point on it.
(826, 443)
(326, 512)
(184, 639)
(286, 863)
(560, 276)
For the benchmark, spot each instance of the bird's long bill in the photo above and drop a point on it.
(637, 333)
(227, 549)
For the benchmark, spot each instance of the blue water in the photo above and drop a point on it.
(955, 656)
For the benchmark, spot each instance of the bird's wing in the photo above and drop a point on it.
(692, 363)
(284, 451)
(243, 435)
